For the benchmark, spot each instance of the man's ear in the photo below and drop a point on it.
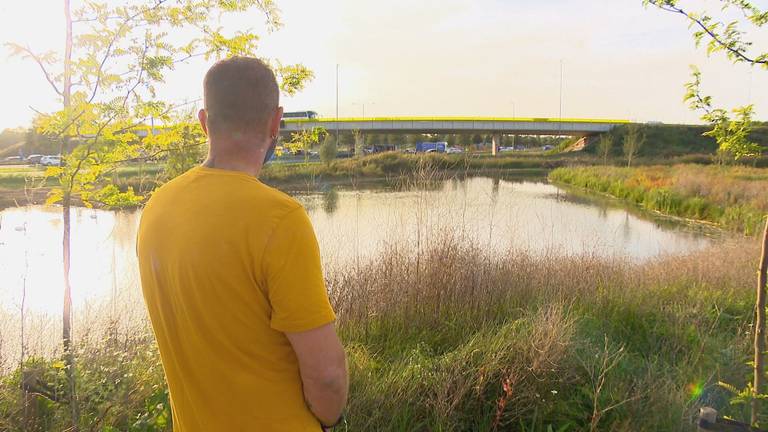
(274, 126)
(202, 116)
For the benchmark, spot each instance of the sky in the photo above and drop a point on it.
(499, 58)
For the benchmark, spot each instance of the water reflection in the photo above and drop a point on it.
(330, 200)
(351, 226)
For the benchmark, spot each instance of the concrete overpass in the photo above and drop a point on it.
(496, 126)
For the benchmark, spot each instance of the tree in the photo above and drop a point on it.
(731, 135)
(37, 143)
(303, 141)
(633, 142)
(451, 140)
(728, 38)
(465, 140)
(106, 78)
(347, 140)
(397, 140)
(413, 139)
(12, 138)
(477, 139)
(372, 139)
(359, 142)
(604, 146)
(722, 37)
(328, 149)
(186, 148)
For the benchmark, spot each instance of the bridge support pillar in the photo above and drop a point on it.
(495, 144)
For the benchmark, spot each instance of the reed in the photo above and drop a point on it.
(448, 336)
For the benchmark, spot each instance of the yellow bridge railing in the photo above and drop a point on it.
(463, 119)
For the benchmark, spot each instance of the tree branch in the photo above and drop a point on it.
(85, 20)
(738, 53)
(88, 153)
(100, 72)
(167, 111)
(40, 63)
(150, 156)
(139, 75)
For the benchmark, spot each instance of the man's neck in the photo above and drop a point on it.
(244, 164)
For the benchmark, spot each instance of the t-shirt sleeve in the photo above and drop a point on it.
(294, 276)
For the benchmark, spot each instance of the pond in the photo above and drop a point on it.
(505, 216)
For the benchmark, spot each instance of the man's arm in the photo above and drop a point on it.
(323, 368)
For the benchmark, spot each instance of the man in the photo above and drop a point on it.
(230, 270)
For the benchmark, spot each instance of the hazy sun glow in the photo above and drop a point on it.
(104, 258)
(453, 57)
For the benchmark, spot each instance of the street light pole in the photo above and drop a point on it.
(362, 104)
(337, 105)
(514, 135)
(560, 123)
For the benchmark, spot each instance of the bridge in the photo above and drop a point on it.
(458, 125)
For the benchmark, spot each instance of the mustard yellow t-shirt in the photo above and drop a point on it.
(228, 265)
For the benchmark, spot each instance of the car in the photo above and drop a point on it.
(12, 159)
(50, 160)
(506, 149)
(548, 147)
(33, 158)
(454, 150)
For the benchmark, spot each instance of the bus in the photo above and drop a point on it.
(300, 115)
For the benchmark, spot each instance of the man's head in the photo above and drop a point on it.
(242, 112)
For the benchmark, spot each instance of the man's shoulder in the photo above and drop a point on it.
(168, 188)
(278, 202)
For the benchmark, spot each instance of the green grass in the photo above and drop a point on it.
(13, 177)
(16, 177)
(396, 164)
(665, 141)
(734, 197)
(450, 337)
(144, 178)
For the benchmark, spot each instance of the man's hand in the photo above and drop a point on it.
(323, 368)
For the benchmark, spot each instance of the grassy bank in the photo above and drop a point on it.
(734, 198)
(17, 183)
(147, 176)
(453, 338)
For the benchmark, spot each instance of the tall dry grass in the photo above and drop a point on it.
(460, 339)
(728, 186)
(733, 197)
(451, 337)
